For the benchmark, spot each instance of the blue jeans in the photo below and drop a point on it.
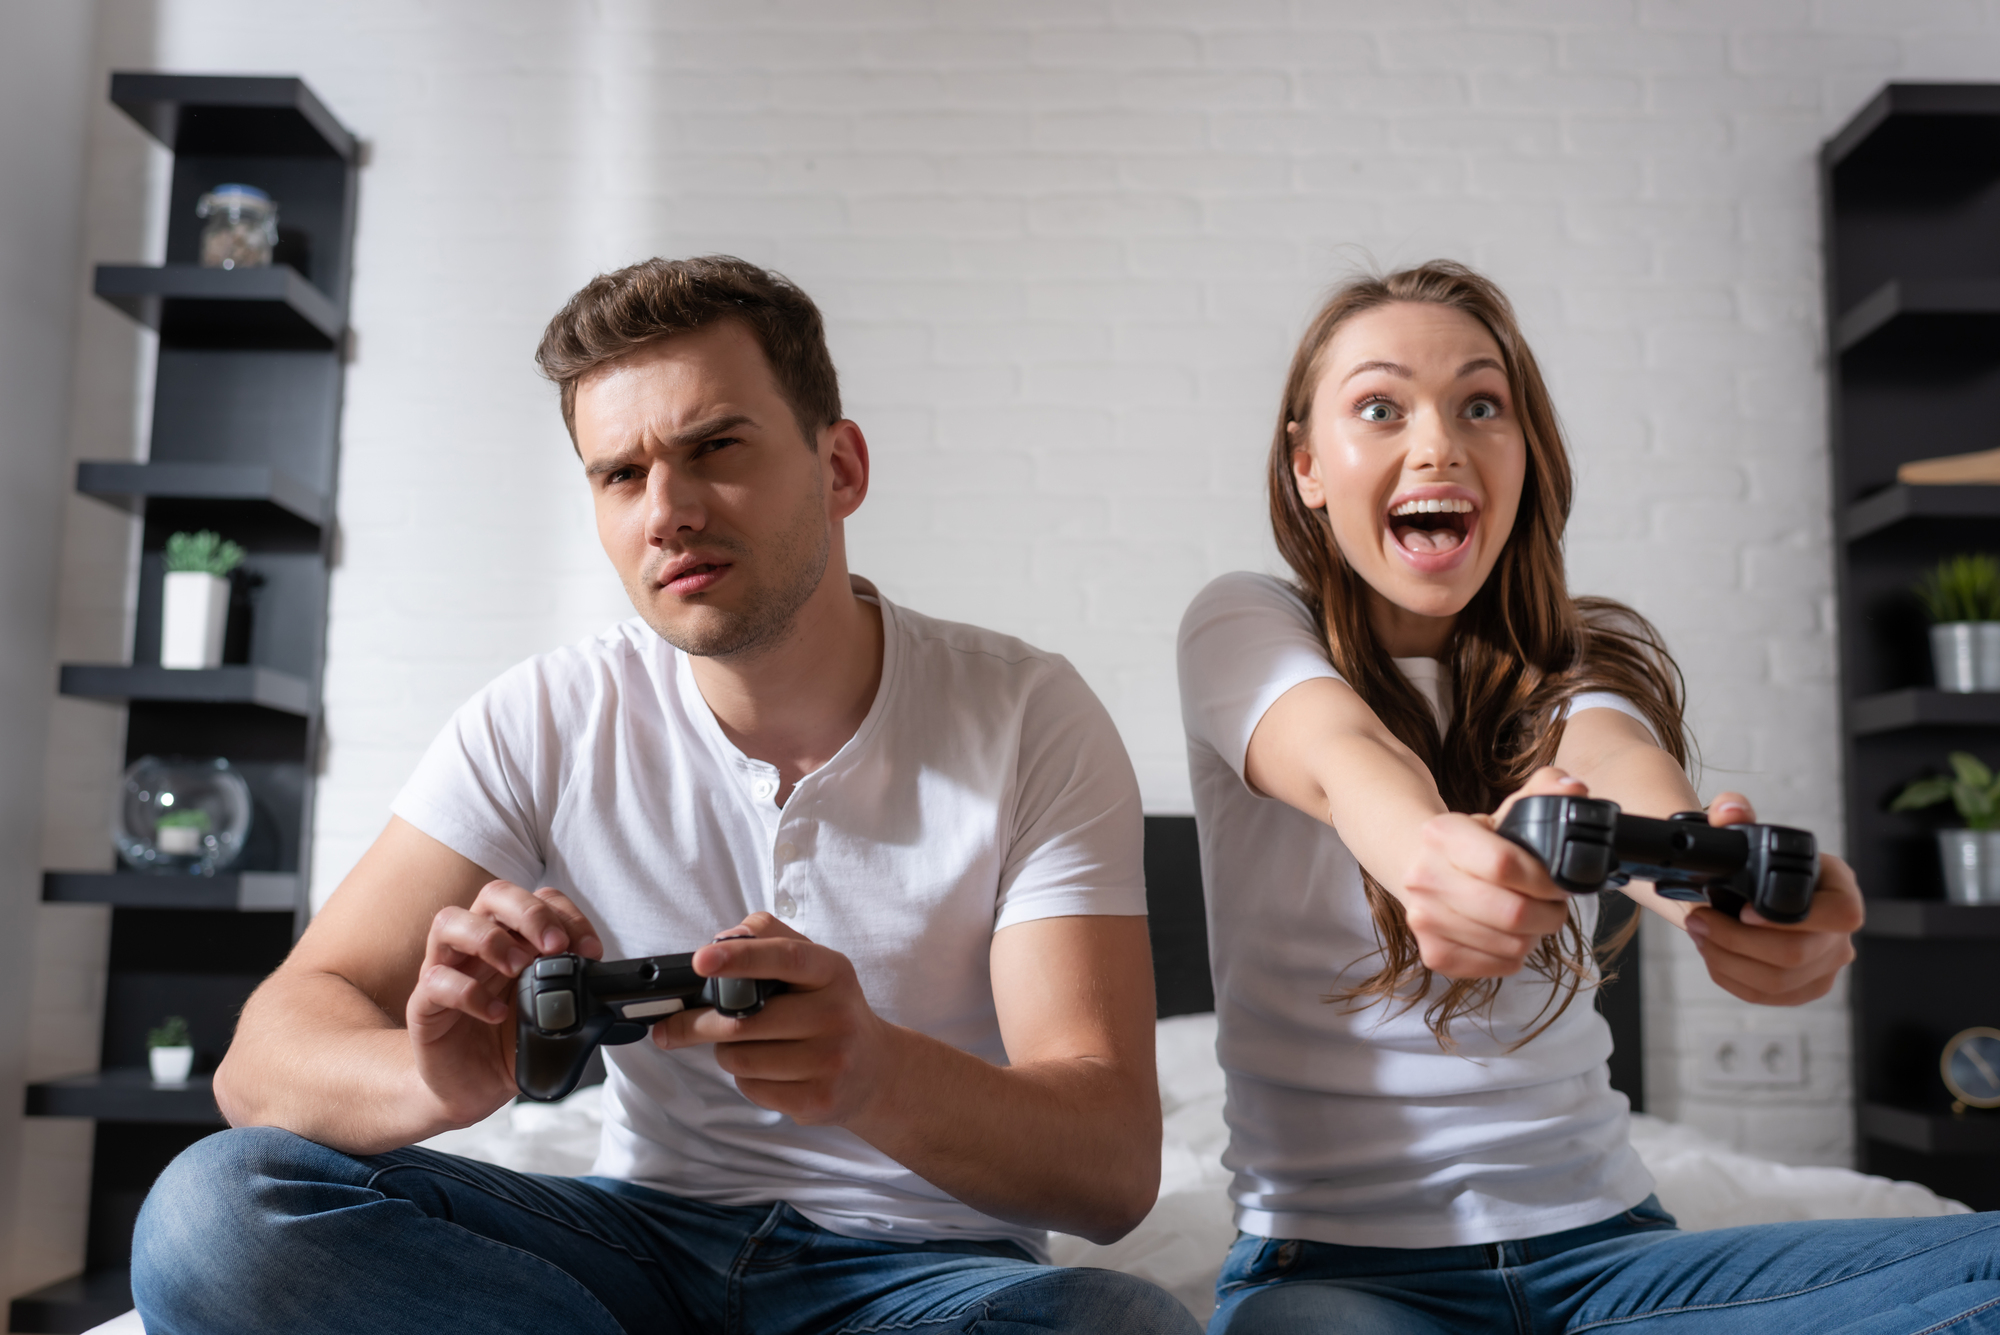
(1633, 1274)
(259, 1230)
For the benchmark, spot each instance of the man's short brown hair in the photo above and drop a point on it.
(616, 314)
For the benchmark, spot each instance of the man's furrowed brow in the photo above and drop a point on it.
(694, 433)
(622, 459)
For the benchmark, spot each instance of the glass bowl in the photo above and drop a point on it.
(181, 814)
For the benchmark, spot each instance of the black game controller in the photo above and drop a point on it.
(1587, 844)
(570, 1005)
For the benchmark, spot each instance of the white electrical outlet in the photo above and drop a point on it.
(1769, 1058)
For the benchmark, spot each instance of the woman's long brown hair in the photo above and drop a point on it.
(1520, 649)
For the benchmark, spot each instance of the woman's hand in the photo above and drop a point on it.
(1774, 963)
(1479, 904)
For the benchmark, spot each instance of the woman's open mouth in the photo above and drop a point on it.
(1433, 526)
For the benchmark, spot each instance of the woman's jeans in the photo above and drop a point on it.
(1634, 1274)
(259, 1230)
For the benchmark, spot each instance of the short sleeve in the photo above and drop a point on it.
(486, 787)
(1245, 640)
(1078, 836)
(1583, 700)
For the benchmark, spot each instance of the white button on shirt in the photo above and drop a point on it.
(986, 787)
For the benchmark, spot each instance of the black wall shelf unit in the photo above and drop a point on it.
(244, 440)
(1910, 199)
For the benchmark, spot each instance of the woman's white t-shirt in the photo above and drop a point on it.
(1352, 1126)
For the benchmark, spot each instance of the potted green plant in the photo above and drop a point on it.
(170, 1052)
(194, 604)
(1971, 853)
(1962, 598)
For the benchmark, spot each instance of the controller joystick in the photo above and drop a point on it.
(1588, 843)
(570, 1006)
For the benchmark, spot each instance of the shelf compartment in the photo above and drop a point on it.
(1902, 113)
(197, 115)
(126, 1094)
(264, 688)
(80, 1303)
(1899, 504)
(1891, 308)
(245, 892)
(131, 485)
(1931, 920)
(1923, 707)
(194, 307)
(1931, 1133)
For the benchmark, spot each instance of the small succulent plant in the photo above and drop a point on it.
(1962, 588)
(1971, 787)
(202, 553)
(172, 1033)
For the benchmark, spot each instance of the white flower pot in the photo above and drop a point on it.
(1971, 865)
(1966, 655)
(170, 1065)
(193, 612)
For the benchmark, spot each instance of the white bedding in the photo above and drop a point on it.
(1181, 1243)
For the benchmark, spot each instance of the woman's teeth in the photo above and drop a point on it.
(1434, 506)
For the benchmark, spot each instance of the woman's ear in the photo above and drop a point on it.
(1305, 471)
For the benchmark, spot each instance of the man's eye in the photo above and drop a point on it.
(1378, 411)
(711, 446)
(1482, 410)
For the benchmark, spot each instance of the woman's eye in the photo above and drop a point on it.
(1482, 410)
(1377, 412)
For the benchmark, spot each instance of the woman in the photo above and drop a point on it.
(1422, 1131)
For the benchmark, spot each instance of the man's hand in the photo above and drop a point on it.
(1779, 964)
(1479, 903)
(461, 1013)
(817, 1052)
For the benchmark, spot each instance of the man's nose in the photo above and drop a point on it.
(673, 504)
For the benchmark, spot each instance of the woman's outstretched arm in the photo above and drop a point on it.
(1477, 904)
(1773, 964)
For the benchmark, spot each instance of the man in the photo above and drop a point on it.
(928, 831)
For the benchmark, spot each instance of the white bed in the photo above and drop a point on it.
(1181, 1243)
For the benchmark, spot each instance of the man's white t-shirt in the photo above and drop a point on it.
(1352, 1126)
(986, 787)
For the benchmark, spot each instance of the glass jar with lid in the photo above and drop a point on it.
(239, 227)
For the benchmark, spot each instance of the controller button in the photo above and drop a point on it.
(1585, 864)
(1590, 812)
(555, 1010)
(736, 994)
(1796, 843)
(561, 966)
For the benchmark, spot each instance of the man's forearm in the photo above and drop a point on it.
(1072, 1144)
(315, 1056)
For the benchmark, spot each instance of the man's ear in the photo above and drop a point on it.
(843, 453)
(1305, 471)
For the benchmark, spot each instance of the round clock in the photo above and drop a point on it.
(1971, 1068)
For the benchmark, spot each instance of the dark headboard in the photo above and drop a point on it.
(1177, 923)
(1179, 928)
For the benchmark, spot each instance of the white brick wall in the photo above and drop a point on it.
(1064, 248)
